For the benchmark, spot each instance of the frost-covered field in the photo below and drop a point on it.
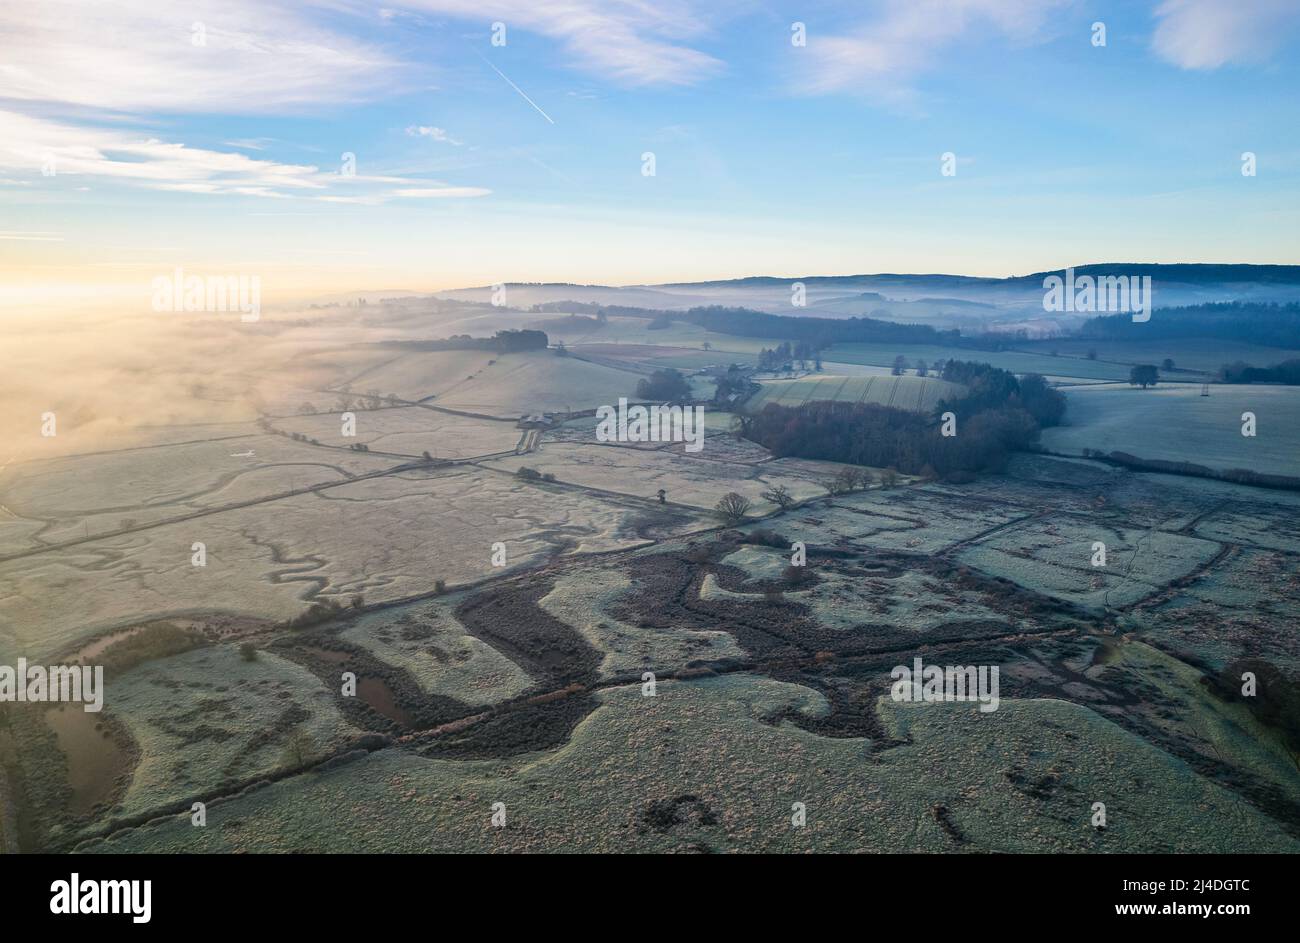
(686, 479)
(234, 723)
(385, 538)
(409, 431)
(422, 374)
(80, 496)
(507, 681)
(426, 641)
(905, 519)
(920, 394)
(524, 383)
(706, 739)
(1054, 555)
(584, 600)
(1176, 423)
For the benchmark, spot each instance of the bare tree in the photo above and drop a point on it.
(732, 508)
(847, 480)
(779, 495)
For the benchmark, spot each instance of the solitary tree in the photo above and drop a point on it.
(900, 364)
(1143, 375)
(921, 368)
(1167, 365)
(732, 508)
(779, 495)
(665, 386)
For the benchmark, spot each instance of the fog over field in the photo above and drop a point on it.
(230, 516)
(610, 427)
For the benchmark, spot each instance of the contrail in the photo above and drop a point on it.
(514, 86)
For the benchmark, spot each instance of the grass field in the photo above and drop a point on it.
(1053, 556)
(696, 768)
(520, 683)
(525, 383)
(715, 759)
(87, 495)
(384, 538)
(919, 394)
(1176, 423)
(417, 375)
(409, 430)
(1201, 354)
(694, 481)
(882, 355)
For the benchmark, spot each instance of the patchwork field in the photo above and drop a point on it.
(623, 674)
(369, 538)
(686, 479)
(89, 495)
(1053, 555)
(710, 775)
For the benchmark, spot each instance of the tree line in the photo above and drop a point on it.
(1251, 322)
(503, 342)
(1287, 373)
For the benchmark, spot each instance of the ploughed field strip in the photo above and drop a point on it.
(531, 685)
(919, 394)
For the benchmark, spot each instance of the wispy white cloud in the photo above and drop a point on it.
(1207, 34)
(883, 58)
(31, 145)
(249, 144)
(28, 145)
(629, 42)
(230, 56)
(436, 134)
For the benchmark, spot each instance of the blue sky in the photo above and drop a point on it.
(225, 154)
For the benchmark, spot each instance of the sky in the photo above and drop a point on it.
(335, 146)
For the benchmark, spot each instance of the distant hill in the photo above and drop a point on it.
(970, 302)
(1190, 273)
(1184, 273)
